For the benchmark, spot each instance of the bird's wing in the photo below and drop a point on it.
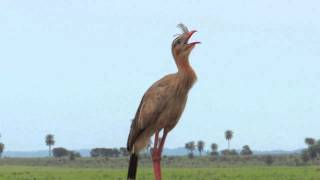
(151, 106)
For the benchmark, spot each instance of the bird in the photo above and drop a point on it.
(162, 105)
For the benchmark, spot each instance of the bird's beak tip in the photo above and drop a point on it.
(192, 32)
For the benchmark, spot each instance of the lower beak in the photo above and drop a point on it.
(189, 36)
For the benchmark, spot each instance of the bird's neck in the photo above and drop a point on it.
(185, 72)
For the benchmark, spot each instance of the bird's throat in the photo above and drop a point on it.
(184, 66)
(186, 72)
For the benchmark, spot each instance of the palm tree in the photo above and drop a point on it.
(200, 146)
(187, 146)
(310, 141)
(214, 149)
(1, 149)
(190, 146)
(50, 142)
(228, 134)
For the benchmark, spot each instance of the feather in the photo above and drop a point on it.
(183, 28)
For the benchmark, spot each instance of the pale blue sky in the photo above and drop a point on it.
(78, 69)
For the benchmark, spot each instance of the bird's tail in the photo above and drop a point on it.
(133, 164)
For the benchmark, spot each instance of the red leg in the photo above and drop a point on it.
(157, 170)
(156, 155)
(163, 139)
(156, 140)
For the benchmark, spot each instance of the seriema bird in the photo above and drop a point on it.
(162, 105)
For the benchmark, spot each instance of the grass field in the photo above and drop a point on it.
(234, 173)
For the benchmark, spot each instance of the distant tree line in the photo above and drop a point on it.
(59, 152)
(108, 152)
(311, 153)
(63, 152)
(192, 146)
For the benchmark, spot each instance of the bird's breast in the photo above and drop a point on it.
(172, 113)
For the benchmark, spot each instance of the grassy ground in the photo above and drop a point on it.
(229, 173)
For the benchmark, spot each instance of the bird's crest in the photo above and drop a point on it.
(183, 28)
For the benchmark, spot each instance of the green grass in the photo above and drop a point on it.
(228, 173)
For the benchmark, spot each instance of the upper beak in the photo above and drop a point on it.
(189, 36)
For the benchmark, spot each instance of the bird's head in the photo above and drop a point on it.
(181, 48)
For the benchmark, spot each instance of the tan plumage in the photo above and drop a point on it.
(163, 103)
(161, 107)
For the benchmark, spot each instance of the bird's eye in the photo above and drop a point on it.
(178, 41)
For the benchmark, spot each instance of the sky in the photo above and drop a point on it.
(78, 69)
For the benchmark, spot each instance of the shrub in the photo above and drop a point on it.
(305, 156)
(246, 151)
(228, 152)
(60, 152)
(214, 153)
(268, 160)
(104, 152)
(73, 155)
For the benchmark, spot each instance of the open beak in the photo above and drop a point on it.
(189, 36)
